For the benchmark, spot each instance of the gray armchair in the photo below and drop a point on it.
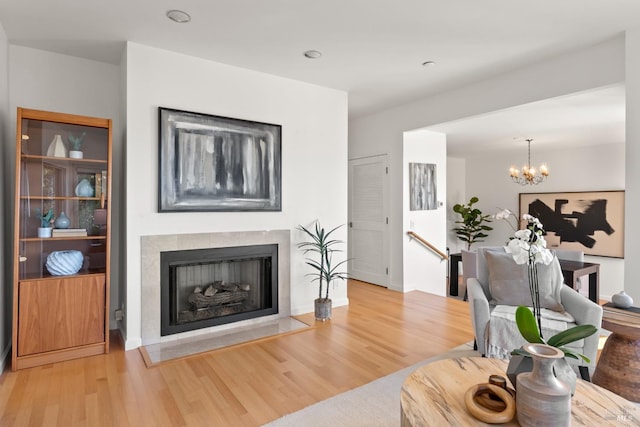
(581, 308)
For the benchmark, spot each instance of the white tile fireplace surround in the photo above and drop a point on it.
(152, 246)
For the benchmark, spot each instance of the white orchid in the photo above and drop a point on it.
(529, 247)
(503, 214)
(506, 214)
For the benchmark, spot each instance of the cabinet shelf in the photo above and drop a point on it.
(32, 276)
(71, 198)
(52, 239)
(62, 160)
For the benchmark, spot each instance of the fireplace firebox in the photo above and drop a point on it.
(201, 288)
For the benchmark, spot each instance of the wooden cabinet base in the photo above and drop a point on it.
(59, 356)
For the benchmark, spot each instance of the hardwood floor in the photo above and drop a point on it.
(380, 332)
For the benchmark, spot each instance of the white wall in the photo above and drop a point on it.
(49, 81)
(422, 268)
(632, 171)
(381, 133)
(585, 169)
(456, 193)
(314, 157)
(6, 267)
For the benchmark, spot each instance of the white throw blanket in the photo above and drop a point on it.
(503, 335)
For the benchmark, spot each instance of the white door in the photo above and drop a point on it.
(369, 220)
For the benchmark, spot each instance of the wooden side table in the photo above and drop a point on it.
(618, 367)
(573, 270)
(433, 395)
(454, 259)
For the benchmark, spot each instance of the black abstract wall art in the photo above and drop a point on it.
(592, 222)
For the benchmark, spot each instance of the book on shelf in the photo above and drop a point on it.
(68, 232)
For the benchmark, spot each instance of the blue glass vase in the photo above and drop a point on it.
(62, 221)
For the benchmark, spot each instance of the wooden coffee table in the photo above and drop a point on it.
(434, 395)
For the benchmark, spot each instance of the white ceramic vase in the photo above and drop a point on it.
(541, 398)
(622, 300)
(57, 147)
(44, 232)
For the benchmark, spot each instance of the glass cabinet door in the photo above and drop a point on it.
(63, 194)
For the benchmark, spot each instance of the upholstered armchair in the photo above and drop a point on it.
(490, 324)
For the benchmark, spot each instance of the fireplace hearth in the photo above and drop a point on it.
(201, 288)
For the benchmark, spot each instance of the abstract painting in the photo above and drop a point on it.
(422, 187)
(213, 163)
(592, 222)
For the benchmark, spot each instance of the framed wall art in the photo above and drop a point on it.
(422, 187)
(213, 163)
(589, 221)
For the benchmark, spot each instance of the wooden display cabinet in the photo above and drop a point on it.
(61, 316)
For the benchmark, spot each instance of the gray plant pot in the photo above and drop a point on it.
(323, 308)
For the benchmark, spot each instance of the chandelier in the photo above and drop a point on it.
(529, 175)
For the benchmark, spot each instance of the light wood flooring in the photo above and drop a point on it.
(379, 333)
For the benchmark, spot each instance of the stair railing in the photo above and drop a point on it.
(441, 254)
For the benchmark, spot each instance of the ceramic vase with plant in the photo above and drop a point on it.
(529, 246)
(472, 223)
(45, 222)
(320, 249)
(76, 145)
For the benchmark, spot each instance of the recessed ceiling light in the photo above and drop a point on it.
(313, 54)
(428, 63)
(178, 16)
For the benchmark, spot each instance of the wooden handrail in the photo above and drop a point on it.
(442, 255)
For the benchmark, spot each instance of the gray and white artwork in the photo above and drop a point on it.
(422, 187)
(211, 163)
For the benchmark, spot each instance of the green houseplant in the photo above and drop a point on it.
(472, 220)
(76, 145)
(45, 222)
(320, 249)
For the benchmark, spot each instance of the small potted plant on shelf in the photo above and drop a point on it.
(76, 145)
(322, 247)
(45, 222)
(472, 228)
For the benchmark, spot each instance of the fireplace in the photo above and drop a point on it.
(200, 288)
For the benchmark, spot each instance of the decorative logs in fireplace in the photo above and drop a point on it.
(218, 293)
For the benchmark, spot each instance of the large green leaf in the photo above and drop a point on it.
(572, 334)
(573, 355)
(527, 325)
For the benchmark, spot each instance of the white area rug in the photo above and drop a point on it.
(376, 404)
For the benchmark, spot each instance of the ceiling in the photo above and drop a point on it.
(596, 117)
(373, 49)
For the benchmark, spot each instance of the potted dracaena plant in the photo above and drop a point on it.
(320, 249)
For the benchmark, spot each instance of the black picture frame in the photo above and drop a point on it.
(211, 163)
